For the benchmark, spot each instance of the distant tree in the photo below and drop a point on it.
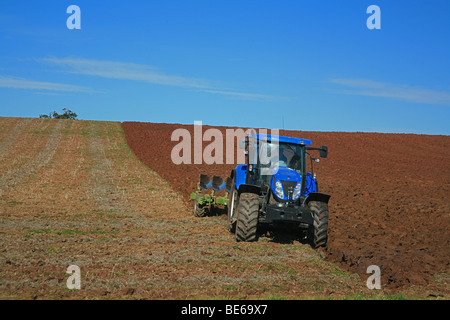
(68, 114)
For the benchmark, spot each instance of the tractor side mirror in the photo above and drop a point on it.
(323, 151)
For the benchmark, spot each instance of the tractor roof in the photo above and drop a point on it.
(270, 137)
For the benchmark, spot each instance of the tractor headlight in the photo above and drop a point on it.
(297, 191)
(279, 190)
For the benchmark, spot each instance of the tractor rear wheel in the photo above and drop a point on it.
(247, 219)
(199, 209)
(319, 230)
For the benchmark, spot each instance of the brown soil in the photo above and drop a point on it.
(389, 204)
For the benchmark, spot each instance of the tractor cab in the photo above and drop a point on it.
(275, 156)
(278, 164)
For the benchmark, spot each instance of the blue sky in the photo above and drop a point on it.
(312, 65)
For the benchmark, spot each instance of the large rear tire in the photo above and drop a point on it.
(247, 220)
(319, 231)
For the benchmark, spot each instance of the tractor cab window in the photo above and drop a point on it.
(272, 155)
(292, 155)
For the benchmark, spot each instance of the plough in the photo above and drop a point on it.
(205, 203)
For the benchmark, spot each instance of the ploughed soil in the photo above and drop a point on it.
(389, 201)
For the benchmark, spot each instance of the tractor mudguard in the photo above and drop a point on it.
(249, 188)
(317, 196)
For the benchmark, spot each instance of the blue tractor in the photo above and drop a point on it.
(272, 189)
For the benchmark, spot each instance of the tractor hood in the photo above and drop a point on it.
(286, 183)
(286, 174)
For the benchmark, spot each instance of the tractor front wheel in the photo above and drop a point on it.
(247, 220)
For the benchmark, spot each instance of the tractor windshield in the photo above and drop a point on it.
(278, 154)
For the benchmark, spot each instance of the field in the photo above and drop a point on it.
(106, 197)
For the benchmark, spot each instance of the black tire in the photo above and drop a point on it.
(233, 202)
(319, 231)
(199, 210)
(247, 220)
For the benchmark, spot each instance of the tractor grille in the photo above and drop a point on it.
(288, 186)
